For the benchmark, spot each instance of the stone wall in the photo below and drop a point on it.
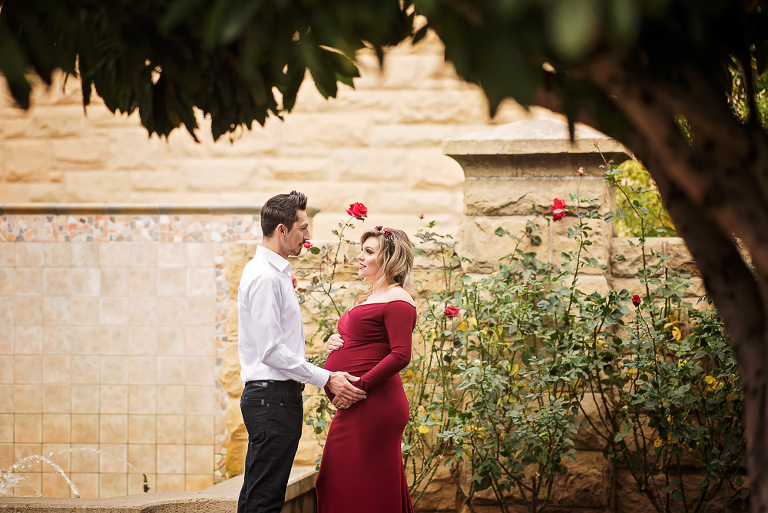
(114, 326)
(378, 144)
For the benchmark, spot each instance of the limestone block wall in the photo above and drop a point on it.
(378, 144)
(114, 325)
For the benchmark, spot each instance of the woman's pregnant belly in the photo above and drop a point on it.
(357, 359)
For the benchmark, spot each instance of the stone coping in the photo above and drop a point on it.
(100, 209)
(530, 137)
(218, 498)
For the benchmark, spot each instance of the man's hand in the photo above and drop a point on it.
(334, 342)
(346, 394)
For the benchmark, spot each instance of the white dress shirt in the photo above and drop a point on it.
(270, 332)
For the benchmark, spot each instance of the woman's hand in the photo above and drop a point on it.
(334, 343)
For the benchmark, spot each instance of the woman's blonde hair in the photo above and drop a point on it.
(396, 260)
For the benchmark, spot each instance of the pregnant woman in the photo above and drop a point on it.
(362, 465)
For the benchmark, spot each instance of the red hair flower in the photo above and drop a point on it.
(358, 211)
(388, 235)
(636, 300)
(558, 209)
(451, 311)
(378, 228)
(307, 244)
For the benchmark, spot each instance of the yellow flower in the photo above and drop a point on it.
(658, 442)
(709, 380)
(423, 430)
(669, 418)
(682, 363)
(676, 333)
(515, 369)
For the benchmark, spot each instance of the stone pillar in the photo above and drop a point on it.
(514, 172)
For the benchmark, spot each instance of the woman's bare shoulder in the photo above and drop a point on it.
(398, 294)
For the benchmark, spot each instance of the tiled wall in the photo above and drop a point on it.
(111, 331)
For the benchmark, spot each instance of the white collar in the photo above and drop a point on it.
(278, 262)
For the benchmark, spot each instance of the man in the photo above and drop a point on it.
(271, 348)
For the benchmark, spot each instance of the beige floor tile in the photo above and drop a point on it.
(142, 370)
(57, 399)
(142, 429)
(114, 485)
(201, 482)
(170, 483)
(57, 311)
(171, 370)
(171, 341)
(142, 282)
(86, 369)
(142, 399)
(114, 369)
(84, 458)
(86, 281)
(113, 458)
(171, 282)
(85, 254)
(201, 282)
(136, 483)
(113, 399)
(29, 281)
(201, 311)
(171, 254)
(28, 339)
(23, 451)
(86, 311)
(85, 430)
(6, 455)
(143, 254)
(143, 341)
(31, 485)
(56, 428)
(201, 341)
(170, 459)
(6, 428)
(27, 311)
(7, 281)
(113, 429)
(199, 429)
(143, 311)
(56, 369)
(58, 339)
(59, 454)
(172, 311)
(57, 254)
(170, 429)
(142, 457)
(28, 398)
(85, 398)
(171, 399)
(28, 428)
(86, 339)
(7, 364)
(87, 485)
(57, 281)
(114, 311)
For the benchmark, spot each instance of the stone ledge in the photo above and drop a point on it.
(219, 498)
(93, 209)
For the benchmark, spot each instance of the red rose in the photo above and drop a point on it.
(307, 244)
(358, 211)
(636, 300)
(580, 171)
(451, 311)
(293, 280)
(389, 235)
(558, 209)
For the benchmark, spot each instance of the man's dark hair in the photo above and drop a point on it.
(281, 209)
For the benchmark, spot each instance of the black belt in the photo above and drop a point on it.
(273, 384)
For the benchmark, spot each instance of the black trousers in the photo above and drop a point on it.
(272, 411)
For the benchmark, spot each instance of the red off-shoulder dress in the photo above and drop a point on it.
(362, 465)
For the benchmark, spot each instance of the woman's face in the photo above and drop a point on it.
(368, 258)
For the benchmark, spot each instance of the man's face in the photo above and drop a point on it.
(293, 242)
